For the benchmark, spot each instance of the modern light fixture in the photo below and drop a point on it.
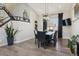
(45, 16)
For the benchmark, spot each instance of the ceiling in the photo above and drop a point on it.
(51, 8)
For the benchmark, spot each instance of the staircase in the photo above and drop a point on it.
(6, 19)
(11, 17)
(9, 14)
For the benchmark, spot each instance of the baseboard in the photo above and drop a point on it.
(3, 44)
(16, 42)
(22, 40)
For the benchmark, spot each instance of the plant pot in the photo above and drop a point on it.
(10, 41)
(73, 51)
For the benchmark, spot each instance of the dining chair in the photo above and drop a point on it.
(41, 39)
(54, 39)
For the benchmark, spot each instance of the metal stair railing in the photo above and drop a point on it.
(13, 18)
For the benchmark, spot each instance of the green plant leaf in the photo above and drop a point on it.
(73, 42)
(10, 31)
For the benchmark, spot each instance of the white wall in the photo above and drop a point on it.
(75, 28)
(75, 24)
(67, 29)
(25, 29)
(40, 23)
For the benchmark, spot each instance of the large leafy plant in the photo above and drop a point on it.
(10, 31)
(73, 43)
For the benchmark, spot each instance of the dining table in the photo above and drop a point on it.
(49, 35)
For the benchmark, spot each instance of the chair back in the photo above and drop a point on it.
(41, 36)
(55, 36)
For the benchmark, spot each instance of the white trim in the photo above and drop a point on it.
(15, 42)
(22, 40)
(3, 44)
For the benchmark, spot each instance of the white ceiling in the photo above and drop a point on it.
(51, 8)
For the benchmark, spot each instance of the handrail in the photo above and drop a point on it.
(9, 14)
(4, 22)
(19, 18)
(3, 19)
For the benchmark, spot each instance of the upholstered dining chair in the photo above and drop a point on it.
(41, 39)
(54, 39)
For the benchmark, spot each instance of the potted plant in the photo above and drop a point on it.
(10, 32)
(72, 44)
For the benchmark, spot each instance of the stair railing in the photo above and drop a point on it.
(13, 18)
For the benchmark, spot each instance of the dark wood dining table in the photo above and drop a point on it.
(49, 35)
